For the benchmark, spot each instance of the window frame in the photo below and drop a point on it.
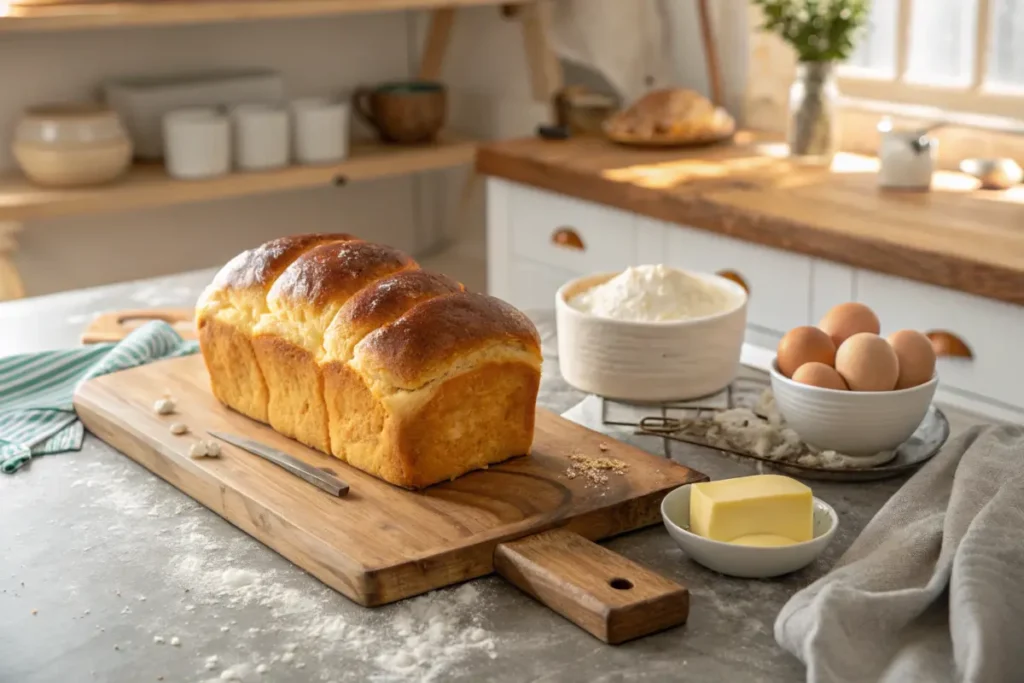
(976, 97)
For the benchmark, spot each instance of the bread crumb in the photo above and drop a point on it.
(164, 406)
(35, 612)
(176, 641)
(159, 640)
(261, 668)
(179, 428)
(603, 446)
(212, 449)
(197, 450)
(595, 470)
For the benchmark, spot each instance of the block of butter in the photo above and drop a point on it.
(763, 510)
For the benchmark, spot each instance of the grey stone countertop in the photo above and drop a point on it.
(110, 574)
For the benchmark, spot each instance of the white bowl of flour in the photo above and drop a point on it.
(650, 333)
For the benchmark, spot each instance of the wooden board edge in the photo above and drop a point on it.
(248, 516)
(597, 525)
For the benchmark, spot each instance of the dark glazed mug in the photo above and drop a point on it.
(404, 112)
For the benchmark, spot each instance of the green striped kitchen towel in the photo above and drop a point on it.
(36, 414)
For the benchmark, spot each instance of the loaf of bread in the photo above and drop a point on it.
(671, 115)
(350, 348)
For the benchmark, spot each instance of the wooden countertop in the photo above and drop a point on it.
(955, 236)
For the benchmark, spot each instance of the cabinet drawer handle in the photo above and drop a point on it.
(735, 277)
(948, 345)
(568, 238)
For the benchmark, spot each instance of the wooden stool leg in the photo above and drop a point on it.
(438, 38)
(11, 286)
(710, 53)
(545, 69)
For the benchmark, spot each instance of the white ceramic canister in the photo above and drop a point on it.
(907, 158)
(197, 143)
(71, 145)
(320, 128)
(260, 136)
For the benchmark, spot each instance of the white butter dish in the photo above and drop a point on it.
(745, 561)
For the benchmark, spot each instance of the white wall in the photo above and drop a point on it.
(314, 56)
(490, 98)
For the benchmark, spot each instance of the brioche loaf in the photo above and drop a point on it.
(350, 348)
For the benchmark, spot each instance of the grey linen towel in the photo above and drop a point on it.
(933, 588)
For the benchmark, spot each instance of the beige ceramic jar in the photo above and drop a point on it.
(71, 145)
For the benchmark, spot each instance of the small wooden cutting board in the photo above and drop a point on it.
(529, 518)
(114, 326)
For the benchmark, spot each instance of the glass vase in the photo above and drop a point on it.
(812, 134)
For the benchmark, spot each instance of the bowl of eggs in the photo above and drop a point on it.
(842, 387)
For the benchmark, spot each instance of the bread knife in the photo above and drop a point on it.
(314, 475)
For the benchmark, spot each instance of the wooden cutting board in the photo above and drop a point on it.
(527, 518)
(113, 326)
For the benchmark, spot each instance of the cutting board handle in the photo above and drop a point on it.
(114, 326)
(611, 597)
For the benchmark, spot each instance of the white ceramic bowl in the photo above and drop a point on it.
(744, 561)
(851, 422)
(646, 362)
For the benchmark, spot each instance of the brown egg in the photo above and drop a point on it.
(867, 363)
(819, 375)
(804, 345)
(845, 320)
(916, 356)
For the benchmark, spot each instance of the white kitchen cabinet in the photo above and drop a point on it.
(778, 282)
(831, 284)
(569, 234)
(535, 285)
(539, 240)
(991, 330)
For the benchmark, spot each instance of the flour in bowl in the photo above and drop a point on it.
(654, 294)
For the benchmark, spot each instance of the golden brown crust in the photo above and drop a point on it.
(232, 364)
(675, 114)
(335, 271)
(260, 266)
(494, 407)
(295, 405)
(436, 332)
(383, 302)
(445, 382)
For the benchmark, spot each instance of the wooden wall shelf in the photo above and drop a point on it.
(149, 185)
(87, 15)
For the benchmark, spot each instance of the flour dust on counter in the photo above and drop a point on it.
(221, 584)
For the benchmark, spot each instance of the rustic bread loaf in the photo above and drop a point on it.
(350, 348)
(670, 115)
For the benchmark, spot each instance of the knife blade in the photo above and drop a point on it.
(314, 475)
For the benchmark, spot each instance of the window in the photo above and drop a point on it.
(957, 55)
